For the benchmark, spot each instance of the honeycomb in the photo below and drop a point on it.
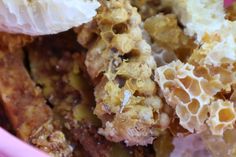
(135, 119)
(198, 88)
(186, 92)
(196, 22)
(196, 68)
(162, 56)
(44, 17)
(166, 33)
(119, 33)
(222, 116)
(216, 50)
(192, 91)
(121, 65)
(217, 59)
(215, 34)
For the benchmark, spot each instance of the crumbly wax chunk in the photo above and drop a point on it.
(121, 65)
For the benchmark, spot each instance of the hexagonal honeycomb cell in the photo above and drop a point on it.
(162, 56)
(222, 116)
(187, 93)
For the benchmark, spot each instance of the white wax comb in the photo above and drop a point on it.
(40, 17)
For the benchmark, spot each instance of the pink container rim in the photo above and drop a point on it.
(10, 146)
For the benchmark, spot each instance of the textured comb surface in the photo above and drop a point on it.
(44, 16)
(208, 20)
(185, 92)
(222, 116)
